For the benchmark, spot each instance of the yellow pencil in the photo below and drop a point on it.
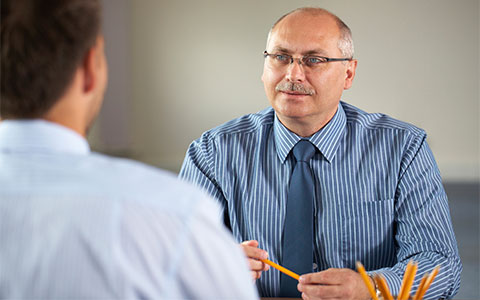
(383, 287)
(420, 287)
(407, 281)
(281, 269)
(408, 286)
(366, 280)
(428, 282)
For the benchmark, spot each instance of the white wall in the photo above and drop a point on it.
(113, 129)
(197, 64)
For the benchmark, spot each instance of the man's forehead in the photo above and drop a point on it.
(302, 20)
(306, 49)
(304, 34)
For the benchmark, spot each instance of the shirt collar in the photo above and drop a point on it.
(40, 136)
(326, 139)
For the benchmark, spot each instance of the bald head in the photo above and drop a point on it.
(345, 41)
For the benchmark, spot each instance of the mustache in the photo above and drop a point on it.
(294, 87)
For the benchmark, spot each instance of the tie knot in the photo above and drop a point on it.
(303, 151)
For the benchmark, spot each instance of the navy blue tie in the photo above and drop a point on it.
(297, 254)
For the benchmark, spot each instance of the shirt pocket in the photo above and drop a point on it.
(368, 234)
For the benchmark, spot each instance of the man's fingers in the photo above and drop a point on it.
(266, 267)
(333, 283)
(256, 265)
(255, 275)
(253, 251)
(320, 291)
(252, 243)
(254, 255)
(327, 277)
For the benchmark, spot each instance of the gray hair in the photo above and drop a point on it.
(345, 42)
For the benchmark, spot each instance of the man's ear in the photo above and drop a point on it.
(88, 71)
(350, 74)
(90, 66)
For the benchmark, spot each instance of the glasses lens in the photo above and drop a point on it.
(313, 61)
(281, 59)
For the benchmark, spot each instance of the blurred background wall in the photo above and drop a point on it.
(178, 68)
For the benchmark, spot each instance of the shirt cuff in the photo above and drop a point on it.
(394, 281)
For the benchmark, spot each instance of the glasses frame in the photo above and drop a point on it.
(301, 59)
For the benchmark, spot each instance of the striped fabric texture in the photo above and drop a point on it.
(80, 225)
(379, 194)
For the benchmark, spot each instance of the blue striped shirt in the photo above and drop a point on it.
(379, 194)
(80, 225)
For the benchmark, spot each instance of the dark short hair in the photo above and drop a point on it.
(42, 44)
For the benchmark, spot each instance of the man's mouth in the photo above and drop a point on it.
(295, 93)
(295, 89)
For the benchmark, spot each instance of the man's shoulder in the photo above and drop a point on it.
(126, 181)
(246, 124)
(136, 176)
(377, 121)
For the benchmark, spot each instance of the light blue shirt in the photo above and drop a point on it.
(379, 194)
(78, 225)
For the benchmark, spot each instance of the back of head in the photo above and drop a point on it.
(42, 44)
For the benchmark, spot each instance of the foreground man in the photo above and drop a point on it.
(78, 225)
(318, 184)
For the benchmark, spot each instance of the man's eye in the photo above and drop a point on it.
(282, 58)
(312, 60)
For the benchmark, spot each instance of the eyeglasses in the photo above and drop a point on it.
(311, 61)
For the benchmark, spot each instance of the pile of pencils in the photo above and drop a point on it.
(408, 277)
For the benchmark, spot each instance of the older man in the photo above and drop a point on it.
(318, 184)
(79, 225)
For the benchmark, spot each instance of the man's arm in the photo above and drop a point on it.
(213, 265)
(424, 231)
(198, 167)
(180, 250)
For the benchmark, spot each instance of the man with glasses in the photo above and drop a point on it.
(316, 184)
(80, 225)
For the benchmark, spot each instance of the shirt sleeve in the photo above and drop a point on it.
(198, 167)
(424, 230)
(222, 272)
(178, 254)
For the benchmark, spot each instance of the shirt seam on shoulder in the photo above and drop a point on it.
(236, 132)
(413, 130)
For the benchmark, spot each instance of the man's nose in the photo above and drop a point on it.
(296, 71)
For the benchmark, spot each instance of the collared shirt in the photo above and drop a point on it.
(379, 195)
(80, 225)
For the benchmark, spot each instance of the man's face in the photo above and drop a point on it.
(317, 92)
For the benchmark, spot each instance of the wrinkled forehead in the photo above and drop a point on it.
(305, 32)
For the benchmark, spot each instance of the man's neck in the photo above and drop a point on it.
(67, 116)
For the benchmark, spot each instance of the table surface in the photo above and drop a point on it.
(268, 298)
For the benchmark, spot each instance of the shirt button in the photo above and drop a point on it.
(315, 266)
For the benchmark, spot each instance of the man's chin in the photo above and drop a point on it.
(293, 113)
(297, 108)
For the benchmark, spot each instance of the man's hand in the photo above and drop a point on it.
(254, 254)
(333, 284)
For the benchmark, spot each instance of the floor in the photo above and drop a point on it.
(464, 201)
